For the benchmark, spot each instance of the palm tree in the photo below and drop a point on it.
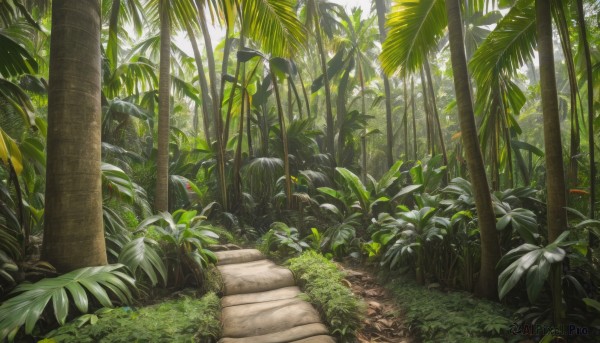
(381, 12)
(490, 247)
(73, 232)
(315, 17)
(358, 39)
(161, 194)
(555, 179)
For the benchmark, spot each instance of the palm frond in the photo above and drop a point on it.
(509, 46)
(27, 307)
(18, 100)
(415, 28)
(142, 254)
(274, 24)
(14, 59)
(117, 183)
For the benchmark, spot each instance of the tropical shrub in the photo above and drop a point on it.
(282, 240)
(184, 237)
(321, 281)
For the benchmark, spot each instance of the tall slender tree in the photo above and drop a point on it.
(590, 98)
(490, 247)
(161, 195)
(555, 178)
(389, 131)
(73, 231)
(315, 14)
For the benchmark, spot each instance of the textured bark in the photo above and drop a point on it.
(161, 194)
(556, 200)
(490, 248)
(73, 231)
(389, 130)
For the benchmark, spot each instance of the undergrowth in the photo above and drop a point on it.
(451, 317)
(181, 320)
(321, 282)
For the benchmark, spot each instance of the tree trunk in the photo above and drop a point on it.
(490, 248)
(73, 231)
(329, 139)
(436, 117)
(161, 195)
(389, 153)
(405, 119)
(305, 94)
(217, 120)
(427, 110)
(363, 139)
(414, 120)
(590, 98)
(206, 100)
(555, 179)
(283, 136)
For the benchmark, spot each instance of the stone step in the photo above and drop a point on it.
(252, 298)
(316, 339)
(290, 335)
(267, 317)
(238, 256)
(254, 277)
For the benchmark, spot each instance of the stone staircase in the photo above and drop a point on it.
(260, 303)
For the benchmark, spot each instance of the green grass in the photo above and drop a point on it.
(436, 316)
(181, 320)
(321, 283)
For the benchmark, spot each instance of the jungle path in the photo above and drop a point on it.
(260, 303)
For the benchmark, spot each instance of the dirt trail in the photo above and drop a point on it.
(383, 322)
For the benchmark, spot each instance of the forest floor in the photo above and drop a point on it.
(384, 321)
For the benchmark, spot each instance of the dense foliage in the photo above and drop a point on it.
(321, 282)
(267, 122)
(180, 320)
(452, 317)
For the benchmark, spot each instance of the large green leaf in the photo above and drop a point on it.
(388, 178)
(9, 151)
(415, 27)
(531, 261)
(26, 307)
(142, 253)
(521, 220)
(117, 182)
(358, 189)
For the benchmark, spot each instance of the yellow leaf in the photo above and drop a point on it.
(10, 150)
